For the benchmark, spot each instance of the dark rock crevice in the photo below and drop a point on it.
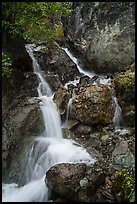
(15, 48)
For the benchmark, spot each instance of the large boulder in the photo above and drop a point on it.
(19, 128)
(76, 182)
(93, 105)
(104, 33)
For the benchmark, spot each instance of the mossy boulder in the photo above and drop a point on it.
(93, 105)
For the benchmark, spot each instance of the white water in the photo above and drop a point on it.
(87, 73)
(69, 108)
(117, 120)
(47, 150)
(74, 82)
(102, 79)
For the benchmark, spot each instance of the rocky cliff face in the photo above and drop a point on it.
(104, 33)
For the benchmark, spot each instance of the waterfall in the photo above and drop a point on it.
(65, 124)
(74, 59)
(117, 120)
(68, 108)
(48, 149)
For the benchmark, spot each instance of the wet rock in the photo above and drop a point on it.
(67, 133)
(21, 120)
(22, 123)
(83, 129)
(103, 33)
(57, 62)
(60, 200)
(70, 124)
(54, 81)
(64, 179)
(129, 118)
(120, 148)
(93, 105)
(124, 161)
(61, 99)
(84, 80)
(76, 182)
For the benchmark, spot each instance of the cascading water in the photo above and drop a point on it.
(65, 123)
(87, 73)
(47, 150)
(117, 120)
(102, 79)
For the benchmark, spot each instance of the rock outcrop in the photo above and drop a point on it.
(57, 66)
(104, 33)
(21, 121)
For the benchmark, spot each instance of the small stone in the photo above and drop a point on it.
(84, 183)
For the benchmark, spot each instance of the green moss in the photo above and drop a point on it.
(124, 184)
(132, 67)
(60, 32)
(126, 80)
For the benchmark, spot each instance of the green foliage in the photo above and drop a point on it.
(6, 66)
(125, 184)
(32, 20)
(126, 80)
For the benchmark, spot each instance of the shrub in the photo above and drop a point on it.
(6, 66)
(124, 184)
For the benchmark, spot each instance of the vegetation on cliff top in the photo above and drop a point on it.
(33, 21)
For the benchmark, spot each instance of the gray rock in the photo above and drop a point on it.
(76, 182)
(57, 63)
(120, 148)
(124, 161)
(20, 127)
(21, 120)
(104, 33)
